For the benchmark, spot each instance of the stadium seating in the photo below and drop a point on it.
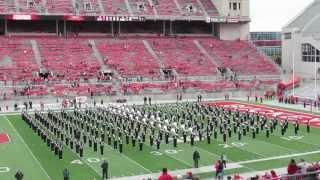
(166, 7)
(210, 7)
(60, 6)
(30, 6)
(239, 56)
(16, 60)
(129, 57)
(7, 6)
(137, 88)
(81, 90)
(183, 56)
(87, 7)
(141, 7)
(190, 7)
(115, 7)
(68, 59)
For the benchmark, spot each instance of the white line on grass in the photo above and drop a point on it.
(135, 162)
(37, 161)
(234, 165)
(182, 161)
(279, 157)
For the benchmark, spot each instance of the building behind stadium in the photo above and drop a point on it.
(301, 43)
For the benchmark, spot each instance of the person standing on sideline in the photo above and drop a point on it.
(19, 175)
(66, 174)
(196, 157)
(104, 167)
(224, 160)
(165, 175)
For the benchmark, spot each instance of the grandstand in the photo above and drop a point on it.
(88, 66)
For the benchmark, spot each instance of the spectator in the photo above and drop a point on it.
(266, 176)
(189, 175)
(219, 169)
(165, 175)
(303, 166)
(292, 167)
(237, 177)
(274, 175)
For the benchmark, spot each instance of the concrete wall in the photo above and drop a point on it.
(229, 31)
(224, 10)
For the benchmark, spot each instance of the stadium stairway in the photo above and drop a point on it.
(101, 7)
(203, 51)
(98, 55)
(36, 52)
(203, 8)
(176, 2)
(154, 9)
(44, 5)
(17, 6)
(153, 54)
(129, 7)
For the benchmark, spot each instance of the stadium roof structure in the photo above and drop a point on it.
(306, 19)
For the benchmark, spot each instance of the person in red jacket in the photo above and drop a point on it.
(165, 175)
(292, 167)
(274, 175)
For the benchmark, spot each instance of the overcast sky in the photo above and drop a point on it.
(272, 15)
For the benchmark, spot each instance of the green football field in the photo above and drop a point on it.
(27, 152)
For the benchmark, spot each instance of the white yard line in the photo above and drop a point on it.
(279, 157)
(25, 144)
(94, 169)
(135, 162)
(205, 169)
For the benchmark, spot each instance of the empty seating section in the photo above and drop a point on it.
(207, 86)
(7, 6)
(16, 60)
(141, 7)
(239, 56)
(69, 59)
(115, 7)
(29, 6)
(136, 88)
(183, 56)
(87, 7)
(129, 57)
(190, 7)
(3, 7)
(112, 7)
(166, 7)
(210, 7)
(81, 90)
(60, 6)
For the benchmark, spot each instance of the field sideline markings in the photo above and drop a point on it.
(233, 165)
(280, 109)
(133, 161)
(94, 169)
(25, 144)
(279, 157)
(169, 155)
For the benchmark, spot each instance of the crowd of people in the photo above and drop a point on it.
(151, 125)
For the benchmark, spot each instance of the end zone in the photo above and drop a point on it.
(270, 112)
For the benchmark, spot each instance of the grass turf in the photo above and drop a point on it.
(16, 155)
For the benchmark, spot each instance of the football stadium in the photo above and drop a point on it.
(156, 90)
